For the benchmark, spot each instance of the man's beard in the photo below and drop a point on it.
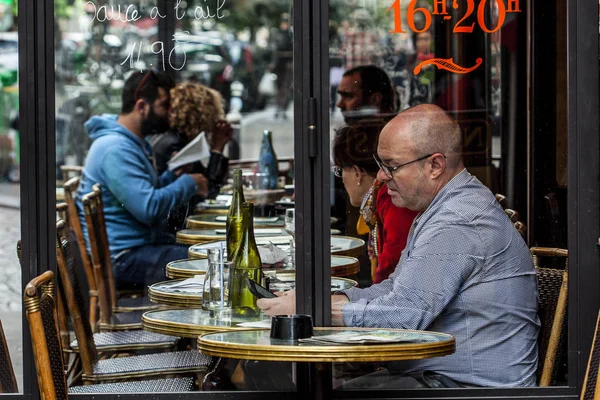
(153, 124)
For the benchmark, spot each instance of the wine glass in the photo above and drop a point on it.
(290, 227)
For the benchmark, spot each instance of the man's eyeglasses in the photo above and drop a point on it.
(389, 170)
(337, 171)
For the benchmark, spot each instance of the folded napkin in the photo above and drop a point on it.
(266, 323)
(272, 256)
(190, 285)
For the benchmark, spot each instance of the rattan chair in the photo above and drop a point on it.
(553, 290)
(108, 342)
(62, 314)
(591, 388)
(70, 188)
(501, 199)
(126, 314)
(124, 368)
(8, 382)
(512, 215)
(70, 171)
(39, 300)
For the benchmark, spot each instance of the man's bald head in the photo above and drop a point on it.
(428, 129)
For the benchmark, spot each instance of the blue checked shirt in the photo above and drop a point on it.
(467, 272)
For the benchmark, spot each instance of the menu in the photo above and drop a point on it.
(366, 337)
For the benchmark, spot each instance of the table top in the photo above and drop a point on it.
(285, 281)
(193, 236)
(340, 245)
(256, 344)
(165, 292)
(342, 266)
(187, 268)
(212, 221)
(192, 323)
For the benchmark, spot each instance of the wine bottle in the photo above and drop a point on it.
(234, 215)
(267, 163)
(246, 265)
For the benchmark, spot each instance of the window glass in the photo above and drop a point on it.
(405, 76)
(10, 286)
(161, 125)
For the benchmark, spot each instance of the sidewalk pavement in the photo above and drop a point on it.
(10, 195)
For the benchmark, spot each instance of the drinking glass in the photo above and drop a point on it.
(215, 293)
(290, 227)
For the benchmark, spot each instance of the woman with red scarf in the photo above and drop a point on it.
(387, 225)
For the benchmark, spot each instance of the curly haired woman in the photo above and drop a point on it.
(195, 108)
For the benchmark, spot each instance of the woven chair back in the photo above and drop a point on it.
(70, 282)
(73, 221)
(8, 382)
(98, 240)
(553, 290)
(40, 308)
(62, 312)
(591, 389)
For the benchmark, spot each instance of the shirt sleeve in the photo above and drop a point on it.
(131, 184)
(167, 177)
(424, 283)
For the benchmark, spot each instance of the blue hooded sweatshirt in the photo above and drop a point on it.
(136, 200)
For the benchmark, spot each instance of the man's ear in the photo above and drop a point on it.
(438, 165)
(141, 107)
(375, 99)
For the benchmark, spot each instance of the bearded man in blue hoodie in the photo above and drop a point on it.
(136, 200)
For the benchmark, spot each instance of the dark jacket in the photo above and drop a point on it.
(216, 173)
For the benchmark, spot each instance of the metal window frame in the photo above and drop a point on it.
(37, 120)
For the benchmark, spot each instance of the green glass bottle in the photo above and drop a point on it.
(246, 265)
(234, 215)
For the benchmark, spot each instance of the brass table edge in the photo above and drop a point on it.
(325, 353)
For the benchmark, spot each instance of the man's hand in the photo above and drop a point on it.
(222, 134)
(202, 184)
(284, 304)
(337, 303)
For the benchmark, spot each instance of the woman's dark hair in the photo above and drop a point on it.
(144, 85)
(355, 145)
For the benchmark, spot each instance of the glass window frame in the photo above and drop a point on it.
(37, 116)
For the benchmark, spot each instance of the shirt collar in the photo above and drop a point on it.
(459, 180)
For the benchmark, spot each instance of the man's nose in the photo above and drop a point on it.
(340, 104)
(382, 176)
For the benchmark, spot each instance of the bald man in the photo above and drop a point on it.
(465, 270)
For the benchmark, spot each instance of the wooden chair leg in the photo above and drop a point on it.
(94, 313)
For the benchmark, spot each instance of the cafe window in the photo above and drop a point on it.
(10, 288)
(274, 87)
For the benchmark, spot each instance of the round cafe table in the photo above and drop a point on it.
(257, 345)
(165, 293)
(341, 266)
(340, 245)
(208, 221)
(187, 268)
(194, 236)
(192, 323)
(168, 294)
